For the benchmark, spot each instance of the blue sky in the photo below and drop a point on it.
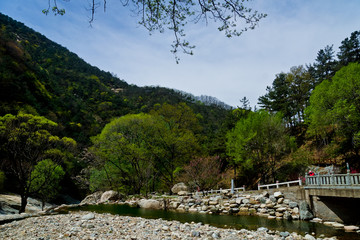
(228, 69)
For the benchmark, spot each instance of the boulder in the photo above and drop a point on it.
(278, 194)
(149, 203)
(110, 196)
(179, 187)
(351, 228)
(182, 193)
(92, 198)
(88, 216)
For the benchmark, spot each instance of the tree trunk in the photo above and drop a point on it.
(23, 203)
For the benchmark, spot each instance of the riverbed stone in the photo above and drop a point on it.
(351, 228)
(179, 187)
(88, 216)
(149, 203)
(278, 194)
(183, 193)
(293, 204)
(110, 196)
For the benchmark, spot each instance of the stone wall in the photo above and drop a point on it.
(270, 204)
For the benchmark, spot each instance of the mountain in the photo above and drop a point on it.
(41, 77)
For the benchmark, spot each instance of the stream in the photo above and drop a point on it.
(223, 221)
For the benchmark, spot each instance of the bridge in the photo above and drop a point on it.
(334, 197)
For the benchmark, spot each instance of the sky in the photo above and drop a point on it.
(228, 69)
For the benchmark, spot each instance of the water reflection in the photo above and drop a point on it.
(229, 221)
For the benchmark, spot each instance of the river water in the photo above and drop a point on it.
(224, 221)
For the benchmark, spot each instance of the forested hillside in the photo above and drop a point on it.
(41, 77)
(51, 93)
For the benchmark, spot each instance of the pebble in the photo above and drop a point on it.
(88, 225)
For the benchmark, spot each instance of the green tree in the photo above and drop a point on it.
(350, 49)
(25, 141)
(289, 95)
(174, 16)
(123, 145)
(334, 112)
(45, 180)
(324, 66)
(176, 141)
(257, 145)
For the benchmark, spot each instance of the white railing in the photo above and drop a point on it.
(220, 191)
(348, 179)
(277, 184)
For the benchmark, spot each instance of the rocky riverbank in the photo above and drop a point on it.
(85, 225)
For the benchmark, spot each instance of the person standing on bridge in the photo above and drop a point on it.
(311, 173)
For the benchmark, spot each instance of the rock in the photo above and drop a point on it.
(88, 216)
(295, 210)
(281, 209)
(234, 210)
(244, 209)
(280, 200)
(195, 234)
(174, 205)
(149, 203)
(278, 194)
(239, 200)
(318, 220)
(304, 211)
(284, 234)
(262, 229)
(273, 199)
(265, 194)
(338, 225)
(193, 210)
(293, 204)
(92, 198)
(183, 193)
(309, 237)
(287, 216)
(351, 228)
(213, 202)
(179, 187)
(110, 196)
(215, 235)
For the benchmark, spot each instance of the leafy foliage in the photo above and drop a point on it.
(141, 149)
(45, 179)
(334, 109)
(257, 145)
(26, 140)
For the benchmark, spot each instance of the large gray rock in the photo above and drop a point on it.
(179, 187)
(110, 196)
(149, 203)
(92, 198)
(304, 211)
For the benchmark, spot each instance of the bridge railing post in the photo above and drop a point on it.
(348, 179)
(318, 179)
(332, 179)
